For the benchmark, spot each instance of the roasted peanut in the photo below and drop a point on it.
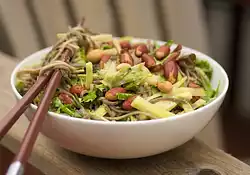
(65, 98)
(77, 89)
(178, 48)
(135, 45)
(111, 94)
(122, 65)
(193, 85)
(95, 55)
(141, 49)
(170, 71)
(165, 86)
(104, 59)
(127, 103)
(173, 56)
(125, 45)
(126, 58)
(162, 52)
(149, 60)
(156, 68)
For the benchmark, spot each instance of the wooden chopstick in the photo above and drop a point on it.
(17, 167)
(13, 115)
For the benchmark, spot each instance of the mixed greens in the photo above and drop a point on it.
(112, 79)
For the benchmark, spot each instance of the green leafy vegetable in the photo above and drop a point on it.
(19, 86)
(131, 87)
(64, 108)
(169, 43)
(104, 47)
(205, 66)
(99, 113)
(216, 93)
(91, 96)
(101, 87)
(125, 76)
(204, 79)
(123, 96)
(156, 45)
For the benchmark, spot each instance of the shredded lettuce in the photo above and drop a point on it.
(157, 45)
(105, 47)
(205, 66)
(64, 108)
(216, 92)
(99, 113)
(169, 43)
(138, 74)
(91, 96)
(130, 77)
(123, 96)
(101, 87)
(19, 86)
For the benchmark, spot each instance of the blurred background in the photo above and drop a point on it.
(219, 28)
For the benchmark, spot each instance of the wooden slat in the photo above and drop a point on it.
(6, 157)
(97, 14)
(52, 17)
(219, 47)
(138, 18)
(242, 83)
(19, 27)
(5, 45)
(186, 23)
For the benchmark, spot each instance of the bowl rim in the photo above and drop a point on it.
(154, 121)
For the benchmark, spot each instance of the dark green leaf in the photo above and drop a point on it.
(57, 102)
(101, 87)
(123, 96)
(205, 66)
(131, 87)
(169, 42)
(106, 47)
(19, 86)
(91, 96)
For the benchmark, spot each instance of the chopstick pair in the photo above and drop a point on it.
(52, 80)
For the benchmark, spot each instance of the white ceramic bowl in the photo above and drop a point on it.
(122, 140)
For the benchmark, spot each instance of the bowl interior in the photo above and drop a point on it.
(219, 75)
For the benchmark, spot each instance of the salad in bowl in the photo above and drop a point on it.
(123, 97)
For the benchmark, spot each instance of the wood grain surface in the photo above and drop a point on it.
(6, 157)
(48, 157)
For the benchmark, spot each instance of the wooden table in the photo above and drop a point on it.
(53, 160)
